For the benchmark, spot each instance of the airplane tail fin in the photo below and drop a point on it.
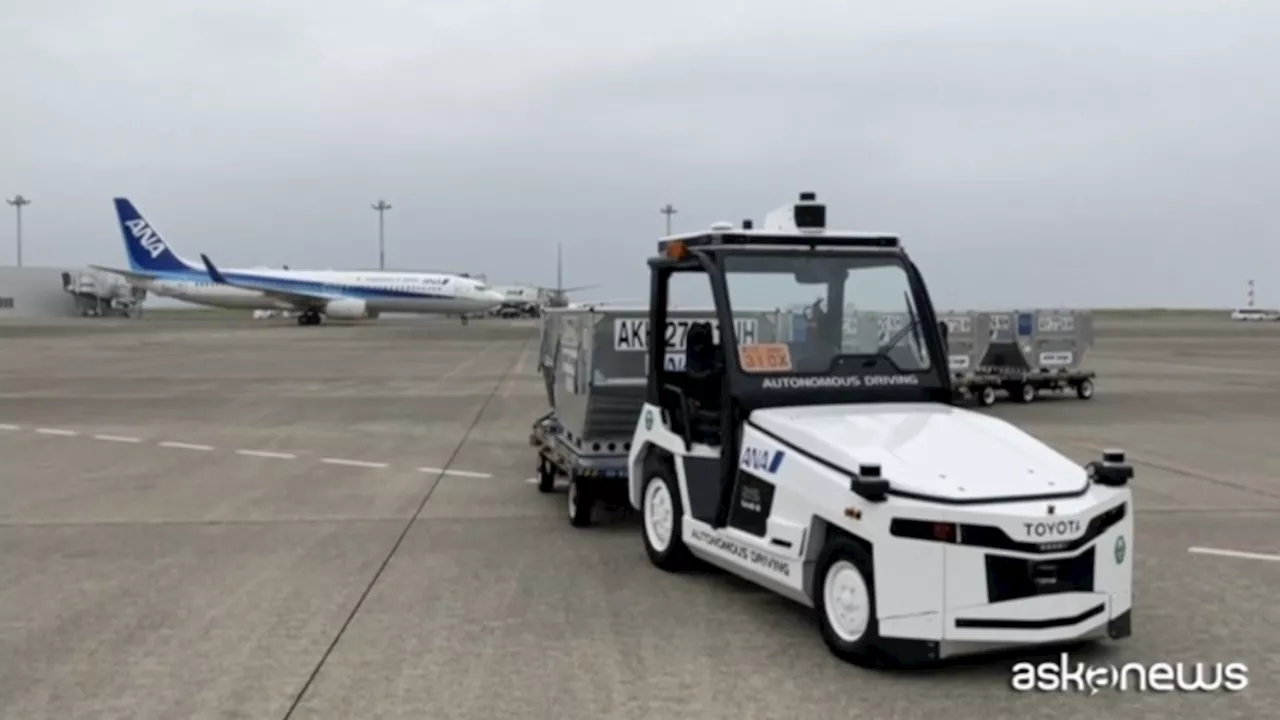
(147, 250)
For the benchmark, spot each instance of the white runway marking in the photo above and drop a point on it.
(117, 438)
(267, 454)
(457, 473)
(353, 463)
(185, 446)
(532, 480)
(57, 431)
(1234, 554)
(247, 452)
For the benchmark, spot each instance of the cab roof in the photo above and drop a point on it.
(738, 236)
(799, 225)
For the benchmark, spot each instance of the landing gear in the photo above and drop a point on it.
(464, 318)
(310, 317)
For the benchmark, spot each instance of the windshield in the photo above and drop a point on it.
(848, 314)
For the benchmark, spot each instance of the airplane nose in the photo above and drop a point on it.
(494, 297)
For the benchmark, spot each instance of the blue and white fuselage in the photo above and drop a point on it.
(155, 267)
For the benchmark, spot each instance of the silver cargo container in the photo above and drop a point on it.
(1035, 339)
(965, 347)
(1021, 352)
(594, 363)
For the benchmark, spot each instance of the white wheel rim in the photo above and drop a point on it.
(573, 499)
(988, 395)
(659, 516)
(1028, 392)
(1086, 388)
(846, 601)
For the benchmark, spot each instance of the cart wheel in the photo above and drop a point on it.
(581, 503)
(546, 476)
(987, 396)
(1026, 392)
(1084, 390)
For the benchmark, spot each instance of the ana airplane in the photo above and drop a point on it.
(348, 295)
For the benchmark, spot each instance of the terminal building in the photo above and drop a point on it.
(36, 292)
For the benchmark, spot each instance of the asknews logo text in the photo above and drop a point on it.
(1161, 677)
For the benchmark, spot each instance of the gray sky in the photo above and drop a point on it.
(1029, 153)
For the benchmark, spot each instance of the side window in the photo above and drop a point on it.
(689, 301)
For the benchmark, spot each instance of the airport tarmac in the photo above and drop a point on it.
(251, 519)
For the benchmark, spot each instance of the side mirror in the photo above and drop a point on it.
(1113, 471)
(868, 484)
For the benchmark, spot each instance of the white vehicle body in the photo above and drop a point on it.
(828, 464)
(946, 465)
(155, 267)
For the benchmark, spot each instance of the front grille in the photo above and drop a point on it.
(1010, 578)
(996, 539)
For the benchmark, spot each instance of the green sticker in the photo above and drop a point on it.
(1120, 548)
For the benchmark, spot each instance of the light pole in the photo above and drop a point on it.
(17, 201)
(668, 210)
(382, 206)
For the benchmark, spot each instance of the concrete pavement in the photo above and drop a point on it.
(213, 519)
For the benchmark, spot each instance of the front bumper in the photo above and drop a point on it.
(912, 651)
(981, 593)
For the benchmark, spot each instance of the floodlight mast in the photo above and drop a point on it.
(18, 201)
(382, 206)
(668, 210)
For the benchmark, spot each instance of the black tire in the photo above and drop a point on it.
(546, 475)
(839, 555)
(1084, 389)
(1025, 393)
(675, 557)
(582, 503)
(986, 396)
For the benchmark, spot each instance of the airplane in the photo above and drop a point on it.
(346, 295)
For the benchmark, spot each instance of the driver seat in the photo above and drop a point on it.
(703, 370)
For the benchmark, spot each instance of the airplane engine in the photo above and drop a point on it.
(347, 309)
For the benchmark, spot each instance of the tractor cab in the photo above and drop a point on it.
(857, 327)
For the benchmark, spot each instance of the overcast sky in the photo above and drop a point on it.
(1029, 153)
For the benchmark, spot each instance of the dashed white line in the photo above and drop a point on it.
(57, 431)
(117, 438)
(250, 453)
(1234, 554)
(458, 473)
(267, 454)
(185, 446)
(353, 463)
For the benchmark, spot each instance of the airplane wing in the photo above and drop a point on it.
(300, 300)
(127, 274)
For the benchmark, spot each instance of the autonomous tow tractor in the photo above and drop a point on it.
(830, 465)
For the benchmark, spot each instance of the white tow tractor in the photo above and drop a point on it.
(834, 470)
